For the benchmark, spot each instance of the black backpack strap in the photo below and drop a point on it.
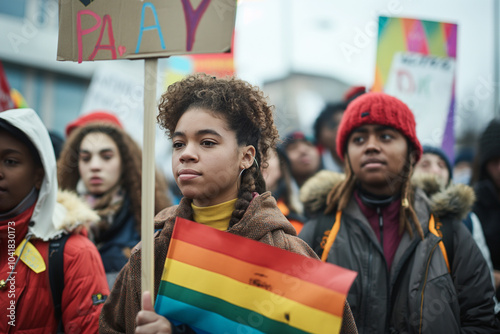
(324, 224)
(448, 229)
(468, 222)
(332, 234)
(318, 235)
(445, 229)
(56, 276)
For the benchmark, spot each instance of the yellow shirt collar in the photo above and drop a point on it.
(216, 216)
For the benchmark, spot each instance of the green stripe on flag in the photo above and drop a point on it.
(227, 310)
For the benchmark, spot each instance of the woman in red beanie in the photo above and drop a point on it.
(375, 221)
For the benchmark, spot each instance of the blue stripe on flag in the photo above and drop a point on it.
(200, 320)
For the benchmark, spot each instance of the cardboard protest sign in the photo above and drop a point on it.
(425, 83)
(134, 29)
(416, 63)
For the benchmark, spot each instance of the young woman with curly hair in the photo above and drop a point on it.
(103, 164)
(221, 131)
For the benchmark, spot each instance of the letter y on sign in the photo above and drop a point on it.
(193, 18)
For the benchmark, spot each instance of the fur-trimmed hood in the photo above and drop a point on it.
(455, 201)
(77, 211)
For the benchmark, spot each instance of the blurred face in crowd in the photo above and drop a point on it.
(493, 169)
(304, 159)
(18, 172)
(328, 134)
(99, 163)
(377, 156)
(433, 164)
(206, 158)
(462, 172)
(272, 173)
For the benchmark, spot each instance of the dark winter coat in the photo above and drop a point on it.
(487, 209)
(418, 294)
(121, 235)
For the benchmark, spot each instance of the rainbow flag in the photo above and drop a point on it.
(217, 282)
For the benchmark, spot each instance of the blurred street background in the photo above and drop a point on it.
(302, 53)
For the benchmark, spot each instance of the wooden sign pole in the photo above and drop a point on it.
(148, 176)
(81, 28)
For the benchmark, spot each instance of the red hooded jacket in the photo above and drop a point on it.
(26, 301)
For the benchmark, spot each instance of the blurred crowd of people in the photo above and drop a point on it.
(385, 226)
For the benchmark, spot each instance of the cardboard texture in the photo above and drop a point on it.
(135, 29)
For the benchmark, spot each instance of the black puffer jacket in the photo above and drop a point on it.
(418, 295)
(487, 209)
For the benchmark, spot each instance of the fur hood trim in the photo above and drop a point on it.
(453, 202)
(314, 191)
(77, 211)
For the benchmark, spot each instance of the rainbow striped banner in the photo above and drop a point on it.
(397, 34)
(216, 64)
(217, 282)
(416, 63)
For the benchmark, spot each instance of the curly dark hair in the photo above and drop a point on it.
(68, 173)
(246, 111)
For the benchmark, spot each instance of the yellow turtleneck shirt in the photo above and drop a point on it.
(216, 216)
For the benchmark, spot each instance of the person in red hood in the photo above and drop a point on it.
(32, 215)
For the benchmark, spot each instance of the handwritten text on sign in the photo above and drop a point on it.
(425, 84)
(116, 29)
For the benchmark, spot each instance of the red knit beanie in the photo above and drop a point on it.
(380, 109)
(94, 116)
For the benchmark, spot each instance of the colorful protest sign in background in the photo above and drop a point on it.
(114, 29)
(416, 63)
(216, 64)
(218, 282)
(6, 102)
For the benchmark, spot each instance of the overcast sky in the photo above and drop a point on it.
(307, 36)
